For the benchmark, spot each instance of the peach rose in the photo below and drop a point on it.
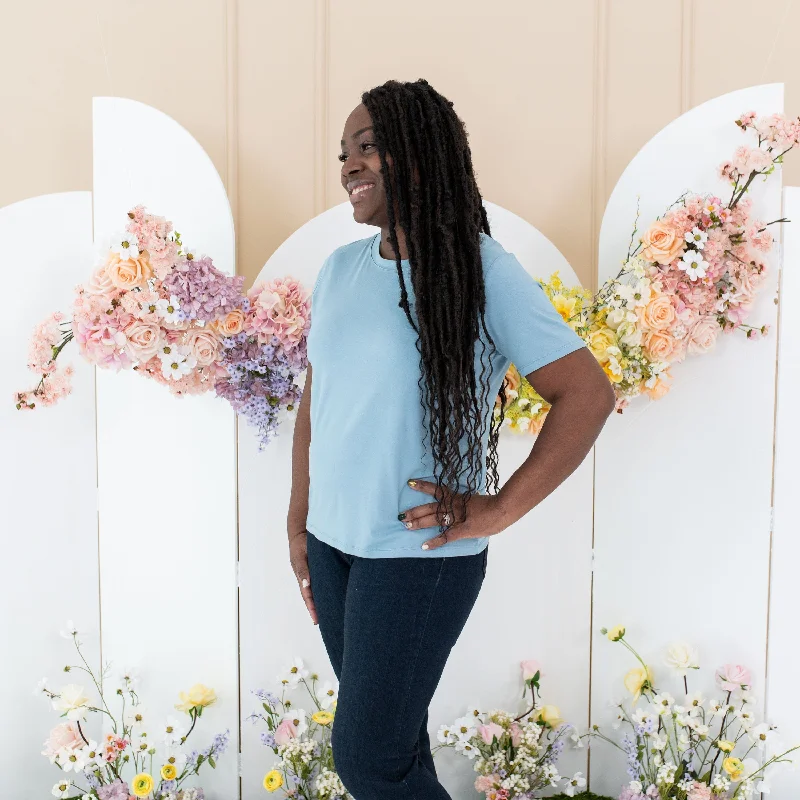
(204, 345)
(128, 273)
(513, 381)
(659, 345)
(659, 313)
(658, 391)
(231, 324)
(662, 243)
(65, 735)
(143, 339)
(703, 335)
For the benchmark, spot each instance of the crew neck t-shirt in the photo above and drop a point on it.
(367, 420)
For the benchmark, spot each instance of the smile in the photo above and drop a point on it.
(359, 190)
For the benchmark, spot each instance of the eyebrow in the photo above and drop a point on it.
(359, 132)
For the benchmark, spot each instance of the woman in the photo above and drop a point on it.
(413, 330)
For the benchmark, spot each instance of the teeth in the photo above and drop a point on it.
(362, 187)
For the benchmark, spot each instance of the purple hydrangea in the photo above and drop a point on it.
(118, 790)
(204, 293)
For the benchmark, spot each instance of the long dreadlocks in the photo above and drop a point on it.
(442, 215)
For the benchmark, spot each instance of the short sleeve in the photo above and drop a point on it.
(524, 324)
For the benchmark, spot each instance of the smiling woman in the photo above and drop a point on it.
(422, 322)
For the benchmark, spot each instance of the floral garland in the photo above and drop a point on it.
(694, 273)
(155, 307)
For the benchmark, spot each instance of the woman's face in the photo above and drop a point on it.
(361, 169)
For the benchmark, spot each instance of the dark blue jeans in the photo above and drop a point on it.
(388, 625)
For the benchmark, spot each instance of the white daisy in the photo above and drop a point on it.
(296, 672)
(696, 237)
(91, 754)
(40, 687)
(466, 749)
(693, 265)
(168, 309)
(464, 728)
(574, 784)
(61, 789)
(327, 694)
(445, 734)
(663, 703)
(136, 717)
(297, 717)
(180, 365)
(129, 679)
(172, 732)
(70, 631)
(474, 712)
(70, 760)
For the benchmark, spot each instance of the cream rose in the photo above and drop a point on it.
(548, 715)
(143, 339)
(73, 701)
(65, 736)
(628, 333)
(659, 314)
(198, 696)
(637, 679)
(703, 335)
(128, 273)
(662, 243)
(659, 345)
(100, 283)
(204, 345)
(231, 324)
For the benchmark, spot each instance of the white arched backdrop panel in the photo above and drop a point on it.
(683, 485)
(167, 466)
(48, 486)
(484, 667)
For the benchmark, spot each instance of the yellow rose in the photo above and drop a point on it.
(273, 780)
(142, 784)
(128, 273)
(198, 696)
(231, 324)
(168, 772)
(659, 313)
(599, 341)
(548, 715)
(616, 633)
(734, 768)
(322, 717)
(638, 679)
(725, 745)
(662, 243)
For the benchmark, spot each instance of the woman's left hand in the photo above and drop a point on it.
(484, 517)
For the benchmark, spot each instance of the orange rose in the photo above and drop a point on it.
(231, 324)
(128, 273)
(659, 313)
(662, 243)
(143, 339)
(513, 380)
(657, 391)
(204, 345)
(659, 345)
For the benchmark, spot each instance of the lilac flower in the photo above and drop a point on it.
(268, 740)
(114, 791)
(266, 697)
(203, 291)
(629, 746)
(91, 779)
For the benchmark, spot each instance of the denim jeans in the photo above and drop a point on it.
(388, 625)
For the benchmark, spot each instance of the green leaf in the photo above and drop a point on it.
(212, 762)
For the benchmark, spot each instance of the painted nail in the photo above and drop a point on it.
(402, 515)
(412, 483)
(409, 524)
(305, 583)
(425, 547)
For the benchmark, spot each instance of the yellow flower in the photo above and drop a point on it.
(734, 768)
(142, 784)
(273, 780)
(322, 717)
(616, 633)
(599, 340)
(168, 772)
(564, 305)
(638, 679)
(333, 705)
(725, 745)
(548, 715)
(198, 696)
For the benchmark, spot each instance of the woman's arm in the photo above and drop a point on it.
(582, 399)
(298, 501)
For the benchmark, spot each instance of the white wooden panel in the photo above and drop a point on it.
(48, 485)
(783, 703)
(552, 543)
(167, 466)
(683, 484)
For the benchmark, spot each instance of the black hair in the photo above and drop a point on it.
(442, 216)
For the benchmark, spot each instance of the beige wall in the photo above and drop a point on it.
(557, 96)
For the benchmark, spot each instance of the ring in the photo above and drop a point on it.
(447, 519)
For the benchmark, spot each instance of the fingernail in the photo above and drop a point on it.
(401, 516)
(409, 525)
(412, 483)
(425, 547)
(305, 583)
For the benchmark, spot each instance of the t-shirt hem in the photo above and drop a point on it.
(550, 356)
(452, 549)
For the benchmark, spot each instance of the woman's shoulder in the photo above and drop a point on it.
(491, 250)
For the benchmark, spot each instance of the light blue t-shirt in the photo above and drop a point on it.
(366, 415)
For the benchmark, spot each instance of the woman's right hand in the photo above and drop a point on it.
(298, 556)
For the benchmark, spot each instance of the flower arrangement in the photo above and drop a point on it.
(154, 306)
(515, 756)
(691, 748)
(693, 274)
(129, 747)
(301, 741)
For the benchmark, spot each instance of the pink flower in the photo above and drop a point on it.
(751, 159)
(65, 735)
(285, 731)
(280, 308)
(143, 339)
(699, 791)
(516, 733)
(483, 783)
(703, 335)
(732, 676)
(759, 236)
(529, 669)
(488, 732)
